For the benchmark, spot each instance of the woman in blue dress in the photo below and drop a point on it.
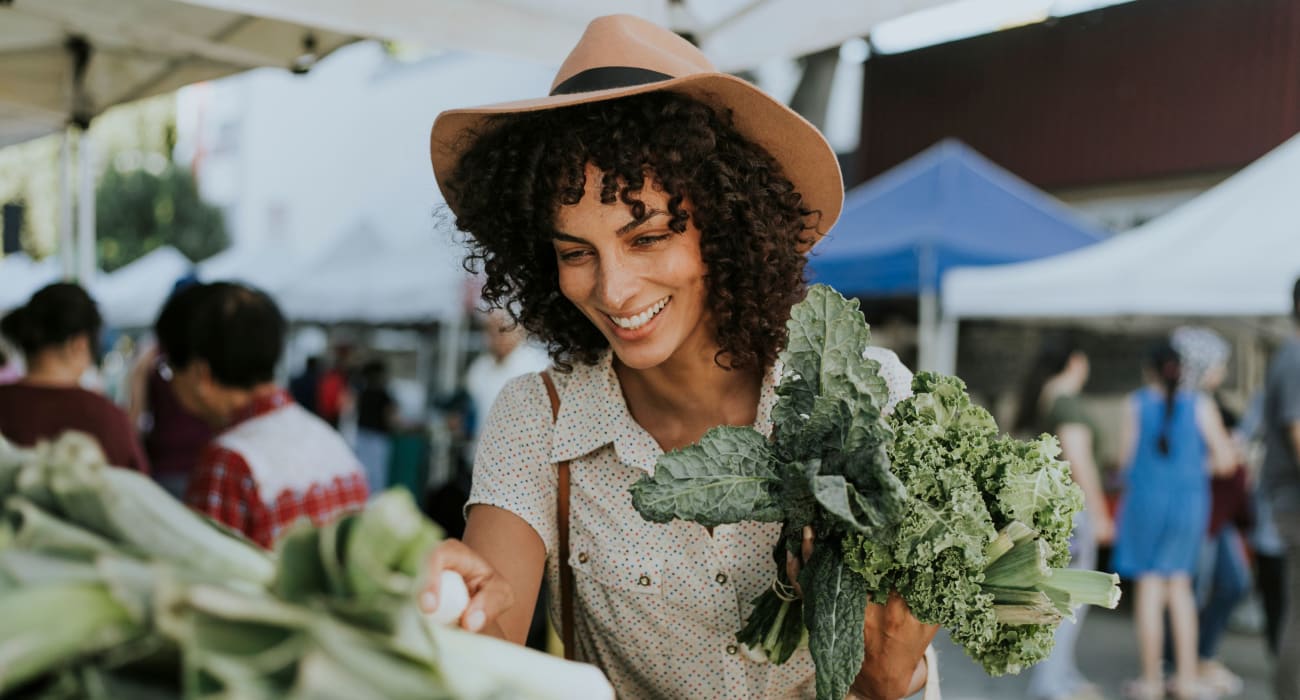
(1169, 439)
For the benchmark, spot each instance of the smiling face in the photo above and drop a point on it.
(641, 283)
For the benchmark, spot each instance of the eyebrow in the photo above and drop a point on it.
(637, 223)
(622, 230)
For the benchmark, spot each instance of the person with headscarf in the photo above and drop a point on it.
(1222, 577)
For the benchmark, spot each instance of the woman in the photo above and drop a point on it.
(1223, 575)
(56, 332)
(1170, 438)
(648, 221)
(1050, 404)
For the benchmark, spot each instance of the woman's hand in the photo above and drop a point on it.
(490, 594)
(895, 641)
(895, 649)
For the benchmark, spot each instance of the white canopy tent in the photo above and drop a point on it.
(66, 61)
(63, 62)
(132, 296)
(1233, 251)
(270, 267)
(735, 34)
(371, 278)
(129, 297)
(20, 277)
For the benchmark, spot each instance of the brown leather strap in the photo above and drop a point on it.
(562, 522)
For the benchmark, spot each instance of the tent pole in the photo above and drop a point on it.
(86, 211)
(946, 345)
(927, 330)
(67, 244)
(450, 336)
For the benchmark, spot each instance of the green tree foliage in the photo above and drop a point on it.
(138, 211)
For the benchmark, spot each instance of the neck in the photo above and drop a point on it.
(234, 401)
(53, 371)
(692, 389)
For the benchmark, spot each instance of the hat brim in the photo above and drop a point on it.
(807, 160)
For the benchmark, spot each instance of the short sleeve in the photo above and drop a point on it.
(896, 375)
(512, 465)
(1065, 410)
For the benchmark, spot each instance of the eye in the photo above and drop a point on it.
(648, 241)
(574, 255)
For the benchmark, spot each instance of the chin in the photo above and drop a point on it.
(635, 356)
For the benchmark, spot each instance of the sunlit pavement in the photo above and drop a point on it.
(1107, 656)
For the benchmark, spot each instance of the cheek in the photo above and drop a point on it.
(575, 283)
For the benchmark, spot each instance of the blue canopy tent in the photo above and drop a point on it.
(946, 207)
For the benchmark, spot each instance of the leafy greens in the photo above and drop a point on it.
(966, 524)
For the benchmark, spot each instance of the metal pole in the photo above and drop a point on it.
(929, 320)
(67, 245)
(86, 250)
(451, 333)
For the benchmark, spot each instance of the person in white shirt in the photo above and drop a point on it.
(508, 355)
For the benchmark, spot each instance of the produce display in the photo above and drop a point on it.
(968, 525)
(110, 588)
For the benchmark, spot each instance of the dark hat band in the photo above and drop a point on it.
(607, 77)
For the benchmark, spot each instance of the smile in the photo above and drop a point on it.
(632, 323)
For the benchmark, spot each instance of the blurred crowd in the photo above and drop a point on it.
(1207, 510)
(197, 403)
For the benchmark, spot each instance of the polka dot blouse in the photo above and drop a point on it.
(656, 606)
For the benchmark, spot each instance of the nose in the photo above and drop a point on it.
(617, 282)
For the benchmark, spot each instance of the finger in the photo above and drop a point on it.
(792, 573)
(493, 598)
(450, 555)
(807, 542)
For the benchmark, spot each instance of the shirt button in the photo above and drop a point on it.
(644, 580)
(721, 578)
(582, 557)
(732, 649)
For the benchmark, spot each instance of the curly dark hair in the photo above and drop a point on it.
(754, 227)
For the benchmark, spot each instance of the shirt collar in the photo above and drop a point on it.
(593, 413)
(261, 405)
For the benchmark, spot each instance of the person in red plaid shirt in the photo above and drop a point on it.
(272, 462)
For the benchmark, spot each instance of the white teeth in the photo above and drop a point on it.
(634, 322)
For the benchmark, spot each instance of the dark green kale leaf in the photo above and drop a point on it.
(835, 598)
(727, 477)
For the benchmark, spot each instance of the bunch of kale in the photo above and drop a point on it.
(931, 502)
(826, 465)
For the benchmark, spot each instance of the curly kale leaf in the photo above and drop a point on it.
(727, 477)
(965, 482)
(1037, 490)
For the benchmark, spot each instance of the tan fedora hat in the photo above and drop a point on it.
(621, 55)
